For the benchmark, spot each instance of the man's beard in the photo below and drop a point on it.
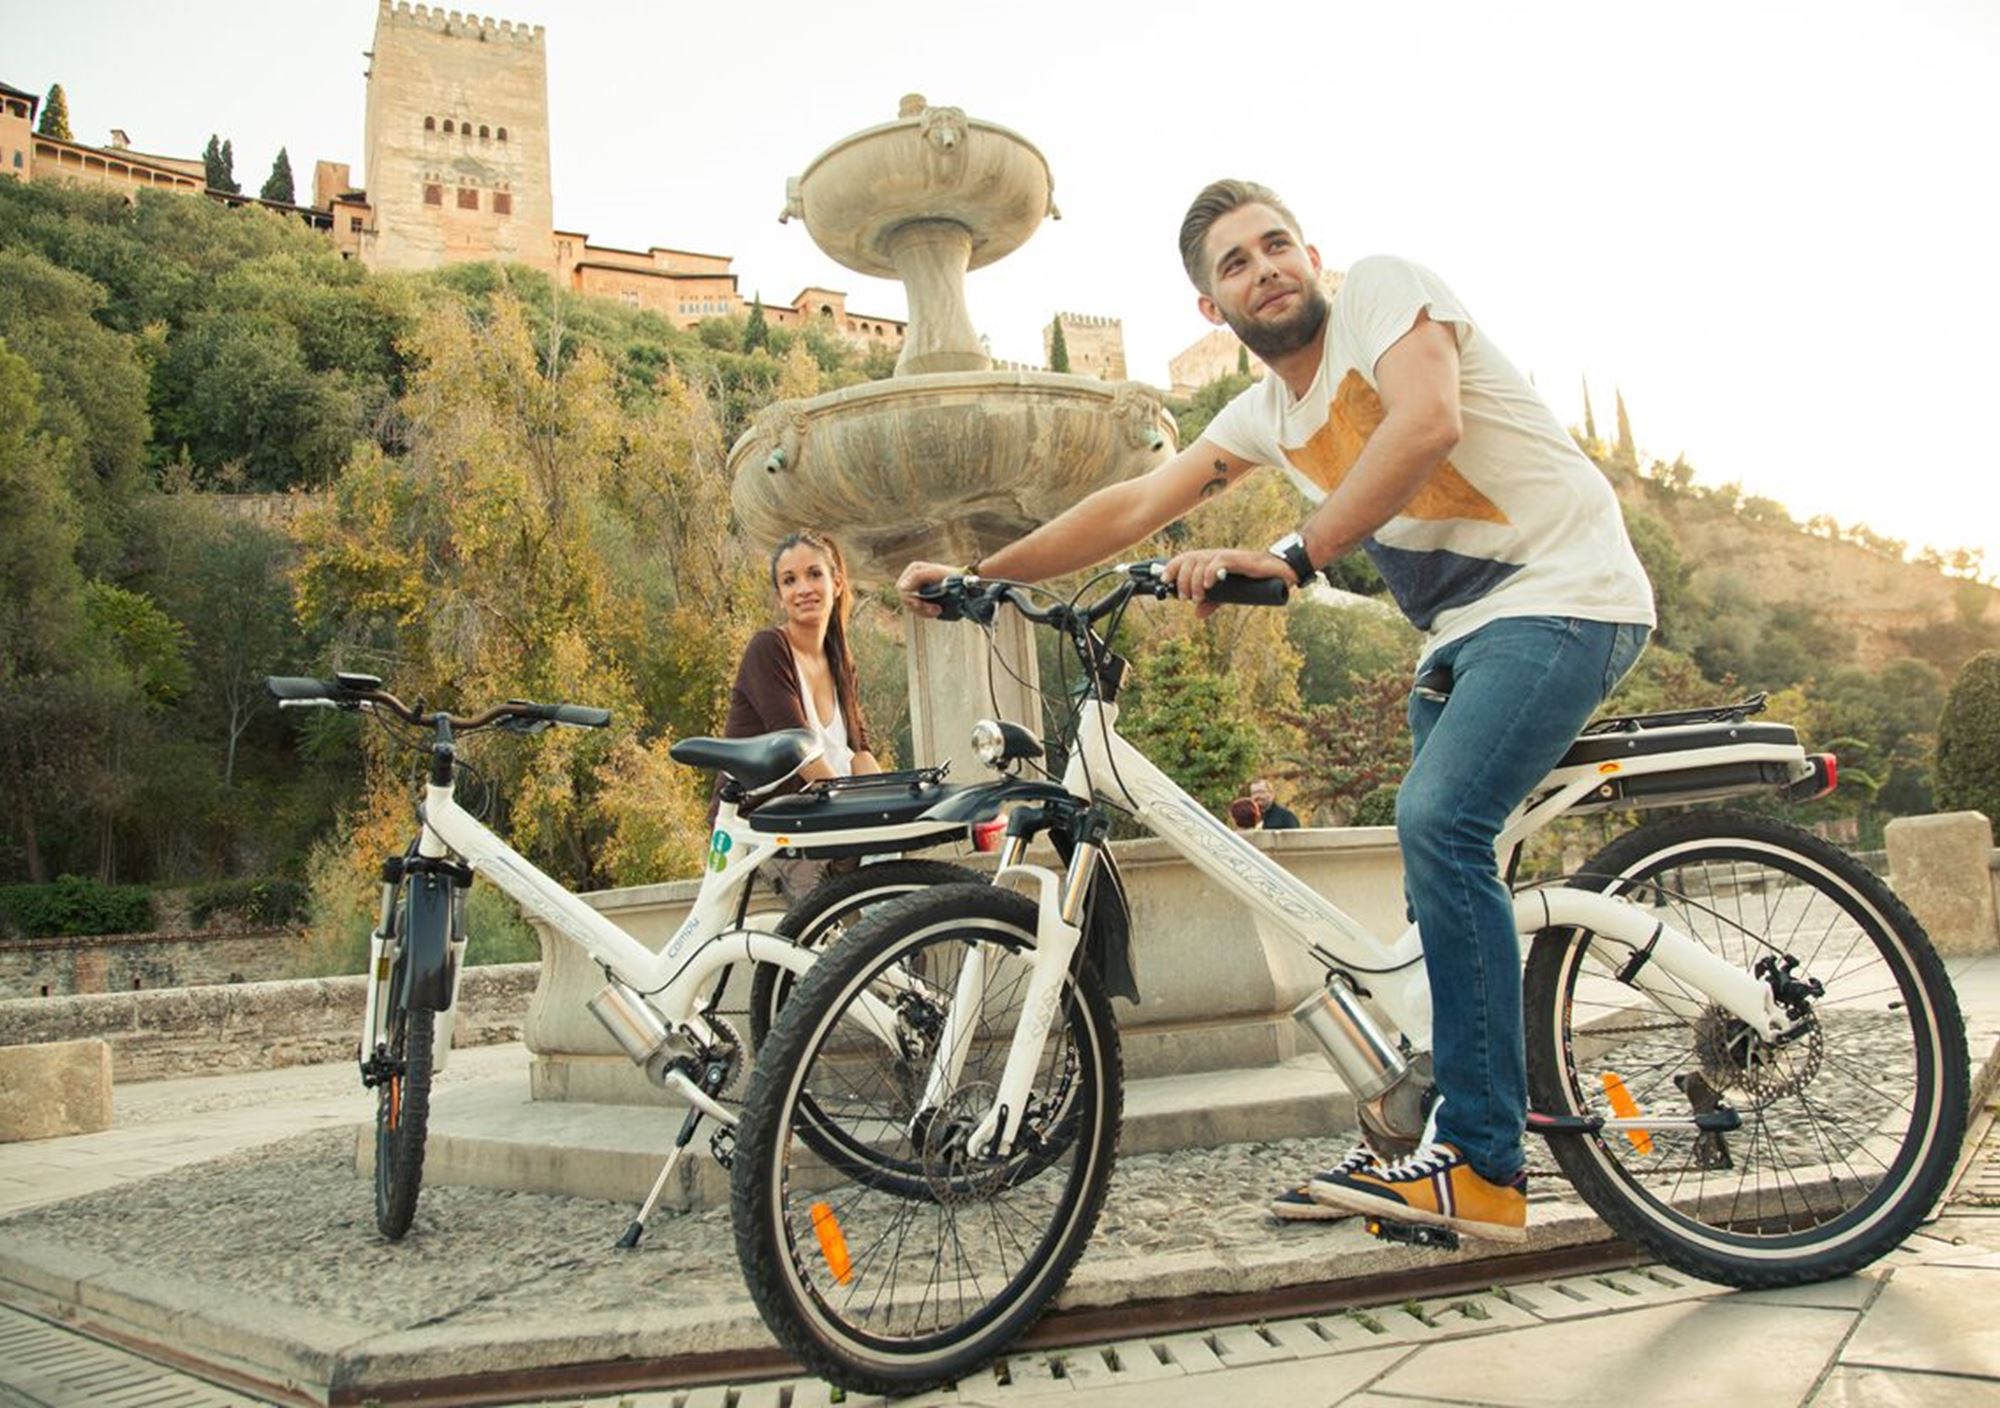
(1270, 341)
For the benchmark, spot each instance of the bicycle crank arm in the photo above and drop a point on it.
(1722, 1120)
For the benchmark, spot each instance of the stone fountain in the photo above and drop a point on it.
(948, 459)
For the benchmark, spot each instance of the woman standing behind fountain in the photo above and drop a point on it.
(800, 674)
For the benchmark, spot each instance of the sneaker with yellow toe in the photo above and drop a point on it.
(1435, 1187)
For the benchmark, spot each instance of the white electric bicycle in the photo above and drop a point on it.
(1742, 1049)
(674, 1012)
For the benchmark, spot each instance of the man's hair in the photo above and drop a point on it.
(1216, 200)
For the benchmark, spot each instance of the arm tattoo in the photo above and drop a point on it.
(1220, 482)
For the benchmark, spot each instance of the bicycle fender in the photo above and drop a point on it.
(427, 942)
(983, 801)
(1107, 924)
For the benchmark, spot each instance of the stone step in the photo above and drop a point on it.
(490, 1134)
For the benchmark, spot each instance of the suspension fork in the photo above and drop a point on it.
(1058, 932)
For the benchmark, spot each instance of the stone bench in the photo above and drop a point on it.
(54, 1088)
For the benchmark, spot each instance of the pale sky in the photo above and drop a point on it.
(1773, 225)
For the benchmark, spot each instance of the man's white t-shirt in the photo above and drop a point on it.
(1517, 522)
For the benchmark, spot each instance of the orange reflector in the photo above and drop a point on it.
(832, 1244)
(1626, 1108)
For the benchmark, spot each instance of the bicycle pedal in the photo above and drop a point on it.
(1412, 1234)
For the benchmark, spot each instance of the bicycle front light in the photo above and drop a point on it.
(989, 742)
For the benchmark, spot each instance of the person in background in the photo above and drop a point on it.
(800, 674)
(1245, 815)
(1277, 816)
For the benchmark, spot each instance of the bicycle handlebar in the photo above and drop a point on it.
(364, 691)
(970, 598)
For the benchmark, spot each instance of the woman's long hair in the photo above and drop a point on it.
(839, 655)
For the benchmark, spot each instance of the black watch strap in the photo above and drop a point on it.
(1292, 549)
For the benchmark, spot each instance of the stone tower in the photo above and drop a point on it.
(457, 141)
(1096, 345)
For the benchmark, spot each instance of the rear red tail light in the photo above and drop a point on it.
(986, 834)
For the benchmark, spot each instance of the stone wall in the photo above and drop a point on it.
(65, 967)
(251, 1026)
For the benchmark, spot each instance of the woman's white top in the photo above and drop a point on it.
(833, 733)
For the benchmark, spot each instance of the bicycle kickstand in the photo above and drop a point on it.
(637, 1227)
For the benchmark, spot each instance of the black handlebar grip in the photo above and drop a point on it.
(296, 687)
(1250, 591)
(940, 595)
(578, 716)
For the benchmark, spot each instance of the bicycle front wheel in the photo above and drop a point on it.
(893, 1284)
(1848, 1129)
(402, 1117)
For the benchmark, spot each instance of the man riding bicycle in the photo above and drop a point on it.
(1418, 441)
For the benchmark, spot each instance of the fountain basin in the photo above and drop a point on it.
(931, 164)
(948, 466)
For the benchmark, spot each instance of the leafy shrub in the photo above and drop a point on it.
(256, 903)
(1377, 808)
(74, 905)
(1968, 745)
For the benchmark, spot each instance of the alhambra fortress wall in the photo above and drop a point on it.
(456, 168)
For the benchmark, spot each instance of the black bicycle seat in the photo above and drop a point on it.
(751, 761)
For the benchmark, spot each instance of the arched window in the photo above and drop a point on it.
(502, 134)
(448, 127)
(430, 124)
(483, 133)
(826, 310)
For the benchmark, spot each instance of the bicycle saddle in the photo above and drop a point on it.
(751, 761)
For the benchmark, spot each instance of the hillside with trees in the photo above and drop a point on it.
(489, 489)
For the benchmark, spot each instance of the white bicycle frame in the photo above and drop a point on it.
(1678, 971)
(676, 980)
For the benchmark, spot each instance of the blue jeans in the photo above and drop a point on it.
(1521, 688)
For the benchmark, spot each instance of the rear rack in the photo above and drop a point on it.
(1672, 718)
(914, 779)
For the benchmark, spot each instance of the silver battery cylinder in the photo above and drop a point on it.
(631, 1020)
(1361, 1054)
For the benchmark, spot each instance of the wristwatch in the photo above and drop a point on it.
(1292, 550)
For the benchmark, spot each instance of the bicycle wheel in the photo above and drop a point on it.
(402, 1115)
(1848, 1130)
(832, 907)
(870, 1286)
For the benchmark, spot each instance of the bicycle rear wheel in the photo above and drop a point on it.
(402, 1116)
(889, 1285)
(1848, 1131)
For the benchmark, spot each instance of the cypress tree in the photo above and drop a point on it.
(55, 115)
(756, 329)
(1242, 360)
(229, 169)
(1627, 452)
(1058, 347)
(1589, 416)
(278, 185)
(211, 163)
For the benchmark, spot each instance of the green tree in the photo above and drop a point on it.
(1189, 720)
(1058, 346)
(1625, 453)
(756, 329)
(278, 185)
(55, 115)
(1356, 745)
(1968, 739)
(1589, 416)
(1242, 360)
(218, 160)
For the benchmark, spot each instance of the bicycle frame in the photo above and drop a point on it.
(673, 981)
(1674, 969)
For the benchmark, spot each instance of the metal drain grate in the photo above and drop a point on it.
(45, 1366)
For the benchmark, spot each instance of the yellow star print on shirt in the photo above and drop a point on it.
(1351, 418)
